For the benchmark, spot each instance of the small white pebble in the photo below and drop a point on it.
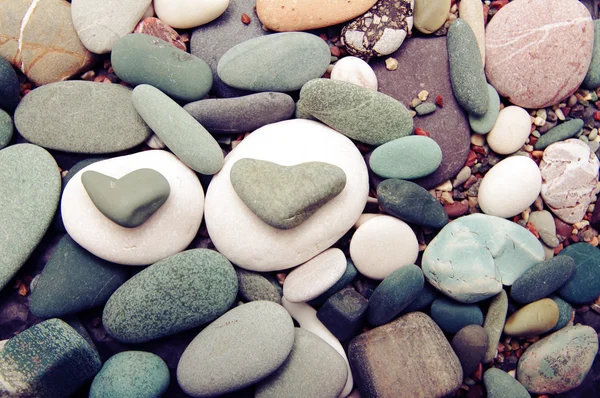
(559, 114)
(423, 95)
(444, 187)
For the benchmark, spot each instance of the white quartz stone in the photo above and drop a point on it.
(185, 14)
(356, 71)
(510, 131)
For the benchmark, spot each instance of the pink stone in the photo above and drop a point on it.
(157, 28)
(539, 51)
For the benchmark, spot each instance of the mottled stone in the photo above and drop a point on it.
(344, 313)
(452, 316)
(254, 286)
(561, 132)
(500, 384)
(584, 287)
(543, 279)
(533, 319)
(470, 344)
(494, 324)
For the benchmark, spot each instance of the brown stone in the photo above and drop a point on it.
(157, 28)
(408, 357)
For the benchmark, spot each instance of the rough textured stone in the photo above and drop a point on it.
(543, 279)
(344, 313)
(470, 344)
(500, 384)
(451, 316)
(9, 86)
(559, 133)
(254, 286)
(584, 287)
(494, 324)
(406, 158)
(430, 15)
(533, 319)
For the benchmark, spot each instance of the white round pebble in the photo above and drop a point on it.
(356, 71)
(382, 245)
(185, 14)
(364, 218)
(510, 187)
(510, 131)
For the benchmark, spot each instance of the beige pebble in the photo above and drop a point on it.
(364, 218)
(391, 64)
(445, 186)
(533, 319)
(471, 11)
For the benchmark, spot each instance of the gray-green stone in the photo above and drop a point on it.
(500, 384)
(544, 224)
(254, 286)
(131, 374)
(364, 115)
(180, 132)
(9, 86)
(285, 196)
(348, 276)
(542, 279)
(451, 316)
(411, 203)
(494, 324)
(81, 116)
(49, 360)
(466, 69)
(143, 59)
(29, 195)
(406, 158)
(470, 344)
(425, 108)
(483, 124)
(565, 312)
(181, 292)
(584, 287)
(277, 62)
(559, 133)
(6, 128)
(592, 78)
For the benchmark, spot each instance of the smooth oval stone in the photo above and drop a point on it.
(565, 313)
(143, 59)
(559, 362)
(277, 62)
(544, 224)
(561, 132)
(255, 286)
(230, 115)
(543, 279)
(185, 14)
(238, 349)
(494, 324)
(412, 203)
(131, 374)
(510, 131)
(430, 15)
(484, 124)
(584, 287)
(592, 78)
(452, 316)
(425, 108)
(473, 256)
(394, 294)
(364, 115)
(9, 86)
(500, 384)
(510, 187)
(354, 70)
(6, 129)
(82, 117)
(313, 368)
(470, 345)
(466, 69)
(406, 158)
(533, 319)
(180, 132)
(349, 274)
(29, 193)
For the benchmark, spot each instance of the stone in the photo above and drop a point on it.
(510, 187)
(452, 316)
(157, 28)
(344, 313)
(411, 203)
(494, 324)
(100, 24)
(470, 344)
(558, 362)
(9, 86)
(510, 131)
(231, 115)
(410, 353)
(396, 244)
(473, 256)
(484, 124)
(349, 275)
(499, 384)
(313, 368)
(254, 286)
(285, 196)
(252, 244)
(466, 69)
(379, 31)
(545, 226)
(533, 319)
(74, 280)
(584, 287)
(81, 117)
(565, 313)
(424, 299)
(277, 62)
(430, 15)
(142, 59)
(543, 279)
(471, 11)
(181, 214)
(238, 349)
(180, 132)
(592, 78)
(185, 14)
(354, 70)
(181, 292)
(29, 192)
(49, 359)
(561, 132)
(6, 129)
(569, 179)
(131, 374)
(425, 108)
(364, 115)
(394, 294)
(526, 77)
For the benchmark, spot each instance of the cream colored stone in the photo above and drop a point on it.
(533, 319)
(356, 71)
(471, 11)
(185, 14)
(430, 15)
(510, 131)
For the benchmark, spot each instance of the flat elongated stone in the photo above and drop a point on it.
(348, 276)
(494, 324)
(471, 11)
(584, 287)
(543, 279)
(559, 133)
(545, 226)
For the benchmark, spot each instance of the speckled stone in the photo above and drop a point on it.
(500, 384)
(494, 324)
(592, 78)
(561, 132)
(470, 344)
(484, 124)
(451, 316)
(406, 158)
(565, 312)
(545, 226)
(543, 279)
(533, 319)
(6, 129)
(584, 287)
(344, 313)
(256, 286)
(9, 86)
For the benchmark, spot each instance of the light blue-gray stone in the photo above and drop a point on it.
(406, 158)
(425, 108)
(483, 124)
(500, 384)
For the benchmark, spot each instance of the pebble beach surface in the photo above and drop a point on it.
(262, 198)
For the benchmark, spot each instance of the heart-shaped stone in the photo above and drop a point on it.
(285, 196)
(130, 200)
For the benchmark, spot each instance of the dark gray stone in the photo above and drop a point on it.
(9, 86)
(470, 344)
(542, 279)
(344, 313)
(584, 287)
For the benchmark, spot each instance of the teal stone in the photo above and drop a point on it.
(256, 286)
(364, 115)
(178, 293)
(451, 316)
(131, 374)
(542, 279)
(6, 129)
(130, 200)
(9, 86)
(395, 293)
(74, 280)
(584, 287)
(565, 312)
(500, 384)
(411, 203)
(49, 360)
(466, 69)
(592, 78)
(29, 194)
(559, 133)
(484, 124)
(406, 158)
(423, 301)
(82, 117)
(277, 62)
(494, 324)
(143, 59)
(425, 108)
(180, 132)
(285, 196)
(349, 275)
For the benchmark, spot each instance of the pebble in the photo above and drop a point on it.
(178, 74)
(584, 287)
(510, 187)
(543, 279)
(354, 70)
(349, 275)
(559, 362)
(254, 286)
(470, 344)
(81, 117)
(423, 300)
(396, 244)
(238, 349)
(592, 78)
(473, 256)
(557, 30)
(471, 11)
(565, 313)
(500, 384)
(406, 158)
(425, 108)
(452, 316)
(9, 86)
(510, 131)
(430, 15)
(544, 224)
(533, 319)
(131, 374)
(570, 176)
(157, 28)
(6, 129)
(559, 133)
(361, 114)
(344, 313)
(185, 14)
(484, 124)
(100, 25)
(494, 324)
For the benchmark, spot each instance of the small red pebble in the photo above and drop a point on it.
(597, 115)
(420, 131)
(478, 149)
(439, 101)
(245, 19)
(566, 110)
(531, 228)
(533, 140)
(471, 159)
(335, 51)
(498, 4)
(323, 36)
(558, 249)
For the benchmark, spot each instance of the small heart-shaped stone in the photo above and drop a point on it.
(130, 200)
(285, 196)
